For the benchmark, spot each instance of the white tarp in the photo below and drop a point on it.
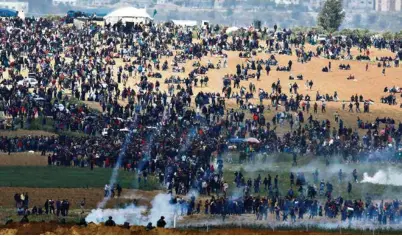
(128, 14)
(21, 15)
(185, 23)
(79, 24)
(232, 29)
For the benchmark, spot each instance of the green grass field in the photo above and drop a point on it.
(282, 166)
(72, 177)
(68, 177)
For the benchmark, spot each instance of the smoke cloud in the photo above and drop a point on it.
(138, 215)
(384, 177)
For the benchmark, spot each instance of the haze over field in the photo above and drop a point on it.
(364, 14)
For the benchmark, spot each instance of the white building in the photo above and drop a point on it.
(16, 6)
(287, 2)
(65, 2)
(314, 4)
(366, 5)
(100, 3)
(388, 5)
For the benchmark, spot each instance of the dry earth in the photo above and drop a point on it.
(93, 196)
(54, 228)
(22, 159)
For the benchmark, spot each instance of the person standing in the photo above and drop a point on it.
(82, 206)
(323, 105)
(357, 104)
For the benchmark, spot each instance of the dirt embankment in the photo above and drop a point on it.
(92, 229)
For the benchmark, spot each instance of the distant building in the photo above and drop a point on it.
(135, 3)
(219, 3)
(200, 4)
(366, 5)
(100, 3)
(388, 5)
(16, 6)
(314, 4)
(65, 2)
(287, 2)
(348, 5)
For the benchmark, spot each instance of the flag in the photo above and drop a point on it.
(155, 12)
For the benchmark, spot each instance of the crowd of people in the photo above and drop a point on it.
(151, 131)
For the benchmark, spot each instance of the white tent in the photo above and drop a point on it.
(232, 29)
(185, 23)
(21, 15)
(128, 14)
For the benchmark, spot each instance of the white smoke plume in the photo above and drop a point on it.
(384, 177)
(138, 215)
(131, 214)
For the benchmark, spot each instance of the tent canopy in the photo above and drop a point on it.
(7, 12)
(128, 14)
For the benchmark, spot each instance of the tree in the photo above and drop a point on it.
(331, 15)
(388, 35)
(398, 35)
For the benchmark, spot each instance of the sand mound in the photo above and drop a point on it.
(52, 228)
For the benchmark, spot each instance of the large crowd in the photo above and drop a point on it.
(160, 131)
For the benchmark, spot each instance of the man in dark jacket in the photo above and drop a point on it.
(110, 222)
(161, 222)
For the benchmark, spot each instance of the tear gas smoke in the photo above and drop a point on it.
(137, 215)
(115, 172)
(384, 177)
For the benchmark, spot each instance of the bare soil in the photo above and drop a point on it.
(92, 229)
(22, 159)
(92, 196)
(23, 132)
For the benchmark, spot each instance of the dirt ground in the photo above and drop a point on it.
(370, 84)
(93, 196)
(92, 229)
(22, 159)
(23, 132)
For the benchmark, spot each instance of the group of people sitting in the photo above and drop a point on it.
(298, 77)
(282, 68)
(344, 67)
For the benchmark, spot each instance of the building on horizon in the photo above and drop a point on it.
(15, 5)
(99, 3)
(65, 2)
(388, 5)
(287, 2)
(365, 5)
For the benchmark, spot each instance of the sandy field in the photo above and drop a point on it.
(22, 159)
(74, 195)
(370, 84)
